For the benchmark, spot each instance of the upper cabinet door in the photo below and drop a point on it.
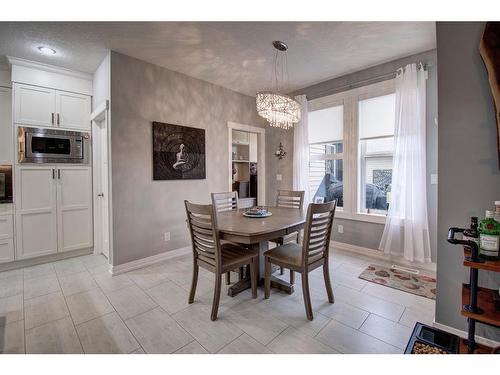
(34, 105)
(6, 137)
(73, 110)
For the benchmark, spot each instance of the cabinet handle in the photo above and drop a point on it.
(53, 174)
(58, 119)
(59, 174)
(52, 118)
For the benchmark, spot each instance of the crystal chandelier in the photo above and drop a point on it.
(279, 110)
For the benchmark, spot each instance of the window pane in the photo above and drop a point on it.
(375, 174)
(326, 125)
(377, 116)
(326, 176)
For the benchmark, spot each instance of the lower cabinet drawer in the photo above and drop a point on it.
(6, 250)
(6, 227)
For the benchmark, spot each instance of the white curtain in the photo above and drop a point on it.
(406, 231)
(301, 151)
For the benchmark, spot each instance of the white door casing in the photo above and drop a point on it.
(101, 188)
(261, 157)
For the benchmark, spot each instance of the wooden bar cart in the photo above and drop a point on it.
(477, 303)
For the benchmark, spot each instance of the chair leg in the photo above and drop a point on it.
(194, 282)
(267, 278)
(215, 303)
(282, 270)
(253, 276)
(292, 277)
(328, 284)
(228, 277)
(307, 297)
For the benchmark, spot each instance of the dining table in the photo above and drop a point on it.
(255, 233)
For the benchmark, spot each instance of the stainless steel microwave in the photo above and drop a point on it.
(38, 145)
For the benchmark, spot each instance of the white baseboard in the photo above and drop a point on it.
(148, 261)
(377, 254)
(463, 334)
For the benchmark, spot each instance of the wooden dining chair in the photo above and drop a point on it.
(222, 202)
(289, 199)
(312, 254)
(210, 254)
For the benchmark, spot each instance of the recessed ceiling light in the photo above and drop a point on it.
(47, 50)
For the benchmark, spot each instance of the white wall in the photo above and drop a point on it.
(102, 82)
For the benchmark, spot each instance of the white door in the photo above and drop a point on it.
(34, 105)
(101, 186)
(36, 213)
(6, 140)
(74, 207)
(72, 110)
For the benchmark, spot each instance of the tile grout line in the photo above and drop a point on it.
(69, 313)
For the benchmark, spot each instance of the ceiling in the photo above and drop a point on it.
(235, 55)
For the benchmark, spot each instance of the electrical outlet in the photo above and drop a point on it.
(434, 179)
(279, 177)
(166, 236)
(340, 228)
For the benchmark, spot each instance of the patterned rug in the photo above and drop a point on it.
(420, 285)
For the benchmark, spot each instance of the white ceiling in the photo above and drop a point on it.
(236, 55)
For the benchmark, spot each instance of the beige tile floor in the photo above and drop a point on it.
(75, 306)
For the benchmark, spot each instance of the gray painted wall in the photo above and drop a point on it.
(144, 209)
(469, 180)
(369, 234)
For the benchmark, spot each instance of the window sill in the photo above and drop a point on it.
(368, 218)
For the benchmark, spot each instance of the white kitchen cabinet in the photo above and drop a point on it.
(6, 135)
(6, 227)
(34, 105)
(6, 250)
(74, 207)
(72, 110)
(36, 210)
(40, 106)
(54, 209)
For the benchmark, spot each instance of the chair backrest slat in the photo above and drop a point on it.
(290, 199)
(225, 201)
(317, 231)
(202, 223)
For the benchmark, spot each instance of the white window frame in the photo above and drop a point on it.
(350, 99)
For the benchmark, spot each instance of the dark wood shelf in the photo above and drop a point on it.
(490, 314)
(488, 265)
(480, 349)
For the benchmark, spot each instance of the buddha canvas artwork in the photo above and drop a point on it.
(178, 152)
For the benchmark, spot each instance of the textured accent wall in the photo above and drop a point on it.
(469, 179)
(144, 209)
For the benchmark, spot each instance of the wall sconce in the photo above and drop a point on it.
(280, 152)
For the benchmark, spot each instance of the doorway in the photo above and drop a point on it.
(247, 163)
(100, 163)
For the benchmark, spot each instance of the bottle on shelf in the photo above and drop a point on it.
(489, 237)
(497, 211)
(472, 233)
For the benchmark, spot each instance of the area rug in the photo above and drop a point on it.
(420, 285)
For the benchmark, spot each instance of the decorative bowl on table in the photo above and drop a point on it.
(257, 212)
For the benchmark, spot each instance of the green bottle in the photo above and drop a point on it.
(489, 237)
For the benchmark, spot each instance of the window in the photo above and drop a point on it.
(326, 133)
(376, 144)
(351, 144)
